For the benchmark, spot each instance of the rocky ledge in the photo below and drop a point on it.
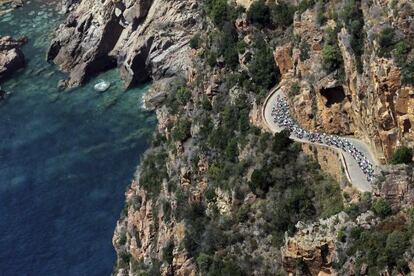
(7, 6)
(11, 57)
(143, 38)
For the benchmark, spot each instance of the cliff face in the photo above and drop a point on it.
(216, 193)
(144, 38)
(367, 96)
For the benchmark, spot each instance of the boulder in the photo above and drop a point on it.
(11, 57)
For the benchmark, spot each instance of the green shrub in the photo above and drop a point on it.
(241, 46)
(386, 37)
(281, 141)
(231, 150)
(351, 15)
(263, 69)
(352, 210)
(153, 171)
(396, 244)
(212, 59)
(379, 250)
(332, 57)
(320, 14)
(282, 14)
(402, 155)
(341, 236)
(304, 5)
(183, 95)
(294, 89)
(381, 208)
(400, 51)
(181, 130)
(408, 73)
(227, 44)
(218, 11)
(304, 50)
(167, 252)
(204, 261)
(195, 41)
(386, 41)
(259, 13)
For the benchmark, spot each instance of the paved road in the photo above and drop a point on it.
(353, 171)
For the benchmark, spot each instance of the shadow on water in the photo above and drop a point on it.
(65, 160)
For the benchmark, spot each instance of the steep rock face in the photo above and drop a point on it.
(145, 230)
(315, 247)
(373, 105)
(144, 38)
(328, 159)
(320, 101)
(83, 42)
(11, 57)
(396, 185)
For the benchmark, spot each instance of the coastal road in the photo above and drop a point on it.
(353, 171)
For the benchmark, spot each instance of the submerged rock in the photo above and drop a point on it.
(11, 57)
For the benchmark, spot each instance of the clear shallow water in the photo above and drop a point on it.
(65, 160)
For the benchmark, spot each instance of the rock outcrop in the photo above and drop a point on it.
(315, 247)
(396, 185)
(146, 39)
(11, 57)
(145, 230)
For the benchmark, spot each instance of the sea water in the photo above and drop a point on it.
(66, 159)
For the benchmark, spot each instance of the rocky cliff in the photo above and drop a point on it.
(367, 95)
(145, 39)
(216, 194)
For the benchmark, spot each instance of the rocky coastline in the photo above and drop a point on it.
(145, 39)
(180, 186)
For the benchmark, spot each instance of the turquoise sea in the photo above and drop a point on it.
(66, 159)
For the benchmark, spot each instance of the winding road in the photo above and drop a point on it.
(353, 172)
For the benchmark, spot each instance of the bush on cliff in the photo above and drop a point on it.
(381, 208)
(263, 69)
(181, 130)
(331, 54)
(332, 57)
(380, 248)
(153, 170)
(259, 13)
(282, 14)
(352, 16)
(402, 155)
(386, 41)
(218, 11)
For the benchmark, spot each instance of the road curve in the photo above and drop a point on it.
(353, 171)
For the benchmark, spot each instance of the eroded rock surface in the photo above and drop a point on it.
(373, 103)
(146, 39)
(11, 57)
